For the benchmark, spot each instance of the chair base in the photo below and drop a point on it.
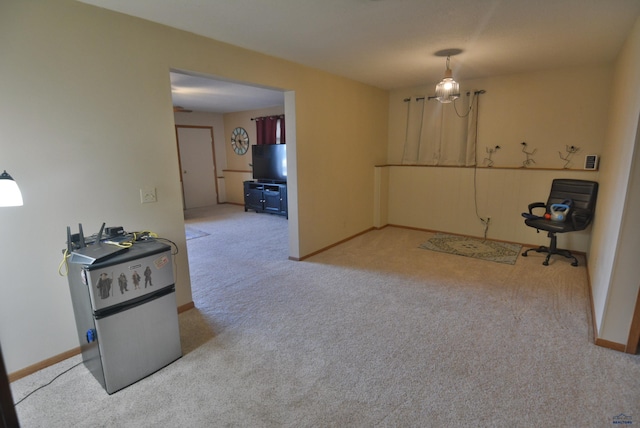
(551, 250)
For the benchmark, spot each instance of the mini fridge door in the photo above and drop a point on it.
(136, 342)
(142, 270)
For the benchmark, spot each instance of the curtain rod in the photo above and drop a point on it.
(279, 116)
(481, 91)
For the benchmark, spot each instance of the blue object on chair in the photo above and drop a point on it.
(559, 212)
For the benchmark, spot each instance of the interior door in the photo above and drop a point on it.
(197, 166)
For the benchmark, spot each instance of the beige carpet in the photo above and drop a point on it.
(375, 332)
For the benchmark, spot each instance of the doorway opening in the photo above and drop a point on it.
(212, 108)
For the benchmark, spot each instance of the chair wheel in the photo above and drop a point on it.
(574, 264)
(524, 254)
(546, 263)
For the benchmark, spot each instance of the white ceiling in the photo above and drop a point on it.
(391, 43)
(198, 93)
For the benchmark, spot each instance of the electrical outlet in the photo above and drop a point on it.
(148, 195)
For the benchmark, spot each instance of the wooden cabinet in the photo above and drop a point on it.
(266, 197)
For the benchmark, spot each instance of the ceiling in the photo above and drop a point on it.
(392, 43)
(199, 93)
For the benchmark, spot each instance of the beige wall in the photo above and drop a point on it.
(337, 147)
(548, 110)
(86, 121)
(442, 199)
(613, 260)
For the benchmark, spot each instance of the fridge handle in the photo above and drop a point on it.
(134, 302)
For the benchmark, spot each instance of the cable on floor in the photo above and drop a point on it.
(46, 384)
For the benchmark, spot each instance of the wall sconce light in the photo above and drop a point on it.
(448, 89)
(10, 195)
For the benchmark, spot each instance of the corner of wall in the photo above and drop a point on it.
(380, 196)
(612, 270)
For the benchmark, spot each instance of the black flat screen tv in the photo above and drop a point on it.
(269, 162)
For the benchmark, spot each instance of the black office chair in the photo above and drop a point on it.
(580, 197)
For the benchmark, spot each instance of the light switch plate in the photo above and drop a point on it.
(148, 195)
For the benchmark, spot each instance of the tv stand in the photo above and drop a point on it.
(264, 181)
(266, 196)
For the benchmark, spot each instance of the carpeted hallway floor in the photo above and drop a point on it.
(373, 332)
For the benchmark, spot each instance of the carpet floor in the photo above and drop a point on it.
(374, 332)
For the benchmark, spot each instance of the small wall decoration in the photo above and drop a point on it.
(529, 159)
(240, 141)
(569, 152)
(488, 160)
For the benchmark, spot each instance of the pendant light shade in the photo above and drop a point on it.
(448, 89)
(10, 195)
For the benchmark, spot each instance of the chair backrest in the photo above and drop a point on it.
(582, 193)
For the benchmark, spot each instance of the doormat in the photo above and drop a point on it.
(499, 252)
(193, 233)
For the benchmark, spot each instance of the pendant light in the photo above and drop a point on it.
(448, 89)
(10, 195)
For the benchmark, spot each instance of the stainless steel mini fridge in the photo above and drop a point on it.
(126, 314)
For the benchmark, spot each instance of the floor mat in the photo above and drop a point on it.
(193, 233)
(494, 251)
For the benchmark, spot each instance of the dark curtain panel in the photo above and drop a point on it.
(268, 128)
(260, 131)
(283, 140)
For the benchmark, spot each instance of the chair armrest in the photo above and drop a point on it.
(537, 205)
(580, 218)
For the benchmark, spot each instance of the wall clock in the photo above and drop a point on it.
(240, 141)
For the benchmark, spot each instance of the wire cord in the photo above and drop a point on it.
(455, 107)
(124, 244)
(485, 221)
(46, 384)
(137, 237)
(64, 264)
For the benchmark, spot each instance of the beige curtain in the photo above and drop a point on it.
(441, 134)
